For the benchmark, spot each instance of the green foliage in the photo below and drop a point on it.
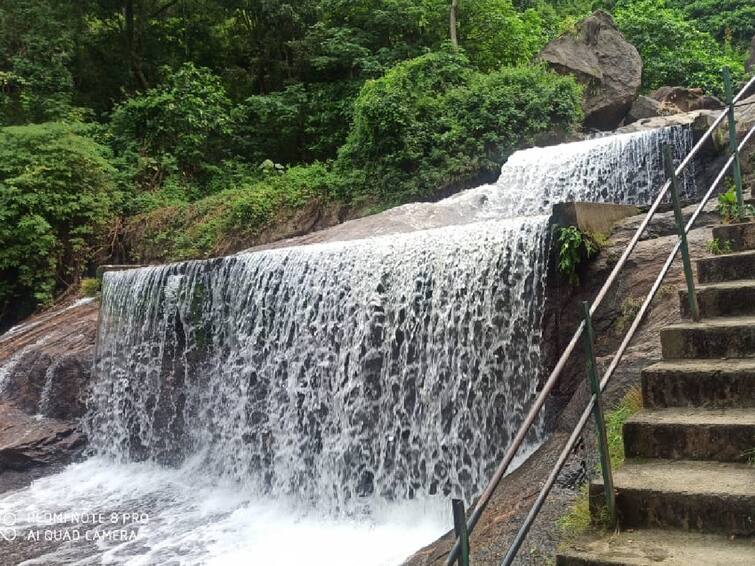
(724, 19)
(181, 127)
(493, 33)
(434, 119)
(299, 124)
(36, 50)
(574, 246)
(577, 519)
(224, 221)
(730, 211)
(717, 247)
(56, 194)
(674, 51)
(90, 287)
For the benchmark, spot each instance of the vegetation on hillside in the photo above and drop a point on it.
(192, 123)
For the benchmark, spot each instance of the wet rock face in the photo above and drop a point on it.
(27, 442)
(607, 65)
(51, 386)
(45, 367)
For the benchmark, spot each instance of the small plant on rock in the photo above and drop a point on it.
(574, 246)
(730, 211)
(718, 247)
(90, 287)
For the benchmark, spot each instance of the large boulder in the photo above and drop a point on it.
(674, 99)
(643, 107)
(607, 65)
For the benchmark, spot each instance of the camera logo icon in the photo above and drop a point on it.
(7, 532)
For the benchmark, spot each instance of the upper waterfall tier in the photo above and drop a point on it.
(625, 168)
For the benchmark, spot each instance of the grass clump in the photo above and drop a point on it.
(628, 311)
(718, 247)
(578, 519)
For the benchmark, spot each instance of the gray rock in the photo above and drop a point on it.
(675, 99)
(750, 64)
(601, 59)
(27, 442)
(46, 363)
(643, 107)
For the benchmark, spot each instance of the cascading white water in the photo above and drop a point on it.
(331, 372)
(344, 379)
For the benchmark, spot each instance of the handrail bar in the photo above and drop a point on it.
(524, 529)
(524, 428)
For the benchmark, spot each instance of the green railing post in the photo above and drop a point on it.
(736, 167)
(668, 164)
(597, 411)
(460, 528)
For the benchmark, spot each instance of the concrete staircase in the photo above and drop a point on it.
(686, 493)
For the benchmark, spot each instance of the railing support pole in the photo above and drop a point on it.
(460, 528)
(691, 295)
(600, 423)
(736, 167)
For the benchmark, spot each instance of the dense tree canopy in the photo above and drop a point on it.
(198, 120)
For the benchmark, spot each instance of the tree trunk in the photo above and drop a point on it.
(133, 42)
(454, 10)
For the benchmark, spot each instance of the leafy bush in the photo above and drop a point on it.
(181, 127)
(300, 123)
(56, 193)
(493, 33)
(724, 19)
(673, 50)
(226, 221)
(35, 50)
(434, 119)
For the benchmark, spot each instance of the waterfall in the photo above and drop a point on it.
(271, 395)
(388, 367)
(332, 371)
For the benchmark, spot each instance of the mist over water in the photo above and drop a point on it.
(322, 403)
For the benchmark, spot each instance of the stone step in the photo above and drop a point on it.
(724, 435)
(741, 236)
(701, 496)
(660, 547)
(729, 267)
(728, 298)
(713, 338)
(699, 383)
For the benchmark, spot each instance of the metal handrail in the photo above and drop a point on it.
(524, 529)
(524, 428)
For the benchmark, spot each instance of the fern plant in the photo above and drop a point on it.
(574, 245)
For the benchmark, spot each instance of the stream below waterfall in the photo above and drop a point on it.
(320, 404)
